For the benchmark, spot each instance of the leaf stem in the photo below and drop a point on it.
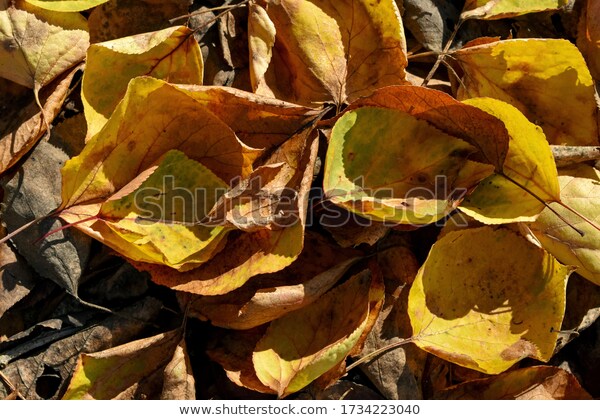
(227, 9)
(534, 195)
(379, 352)
(22, 228)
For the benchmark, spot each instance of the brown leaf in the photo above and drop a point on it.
(270, 296)
(22, 126)
(16, 278)
(534, 383)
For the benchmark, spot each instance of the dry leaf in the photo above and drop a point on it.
(66, 5)
(500, 9)
(303, 345)
(534, 383)
(171, 54)
(128, 371)
(310, 52)
(588, 36)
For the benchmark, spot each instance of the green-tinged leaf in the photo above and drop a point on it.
(580, 190)
(390, 166)
(303, 345)
(157, 367)
(66, 5)
(529, 163)
(486, 298)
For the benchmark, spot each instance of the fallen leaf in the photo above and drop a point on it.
(120, 18)
(233, 351)
(128, 371)
(483, 131)
(189, 128)
(363, 172)
(16, 279)
(272, 296)
(171, 54)
(61, 356)
(259, 122)
(580, 190)
(309, 52)
(428, 21)
(163, 215)
(22, 126)
(533, 383)
(248, 254)
(396, 373)
(39, 45)
(303, 345)
(588, 36)
(33, 192)
(511, 304)
(546, 79)
(500, 9)
(529, 163)
(66, 5)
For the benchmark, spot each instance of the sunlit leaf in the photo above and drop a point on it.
(546, 79)
(486, 298)
(313, 51)
(529, 163)
(303, 345)
(500, 9)
(388, 165)
(38, 45)
(66, 5)
(171, 54)
(580, 190)
(128, 370)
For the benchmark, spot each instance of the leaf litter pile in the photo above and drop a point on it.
(316, 199)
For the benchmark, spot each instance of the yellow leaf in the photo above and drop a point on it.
(588, 36)
(546, 79)
(143, 129)
(163, 215)
(171, 54)
(390, 166)
(529, 162)
(500, 9)
(581, 191)
(118, 372)
(532, 383)
(311, 52)
(248, 254)
(38, 45)
(486, 298)
(323, 335)
(66, 5)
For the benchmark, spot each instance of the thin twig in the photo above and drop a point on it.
(378, 352)
(227, 9)
(444, 52)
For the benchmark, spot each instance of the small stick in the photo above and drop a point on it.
(568, 155)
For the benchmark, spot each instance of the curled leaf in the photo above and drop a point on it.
(500, 9)
(486, 298)
(388, 165)
(171, 54)
(529, 176)
(303, 345)
(580, 190)
(325, 51)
